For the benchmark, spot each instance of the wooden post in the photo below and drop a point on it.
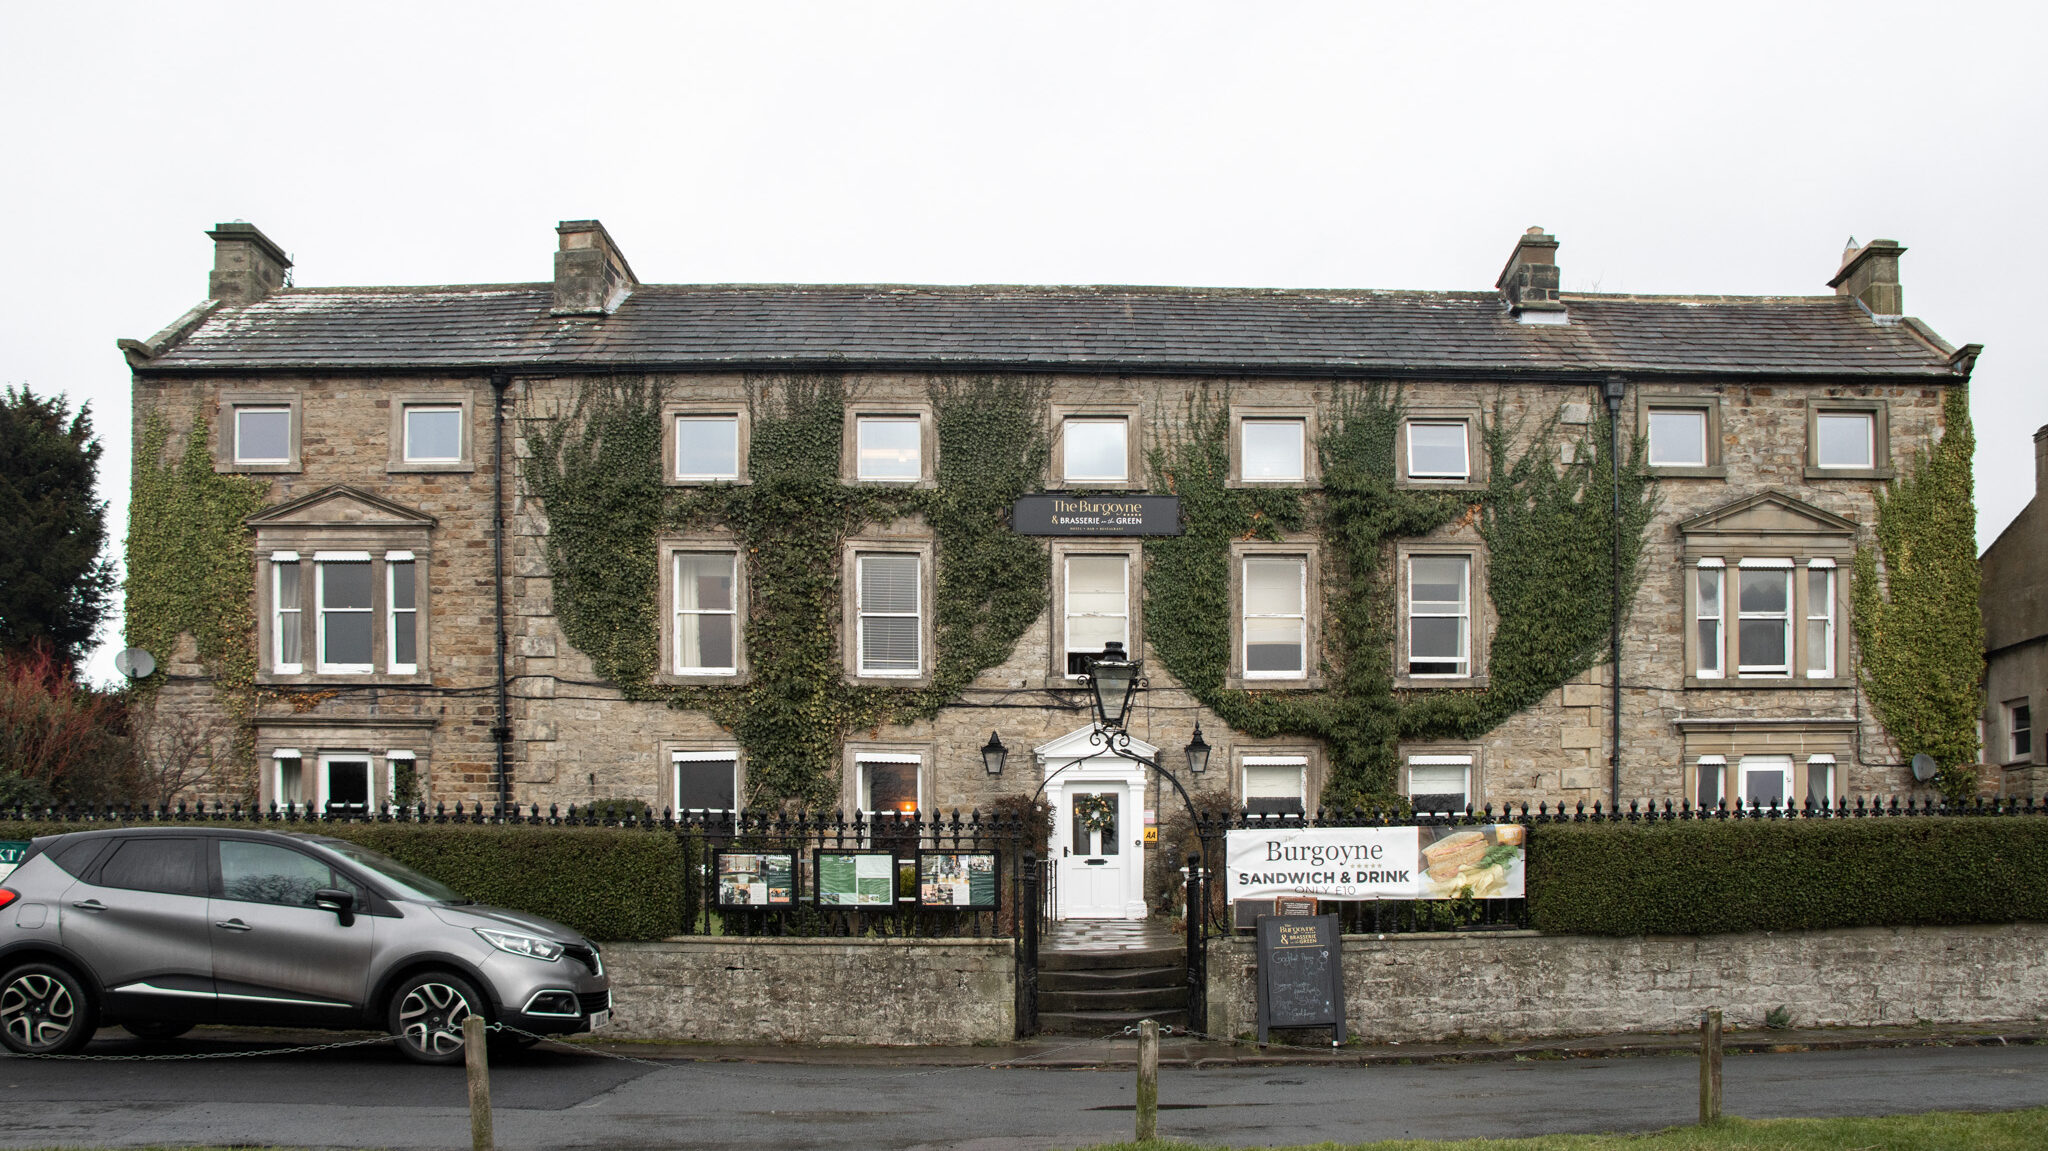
(1148, 1080)
(1710, 1065)
(474, 1057)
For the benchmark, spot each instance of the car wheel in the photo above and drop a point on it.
(427, 1013)
(156, 1029)
(44, 1010)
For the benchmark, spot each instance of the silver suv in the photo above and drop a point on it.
(158, 929)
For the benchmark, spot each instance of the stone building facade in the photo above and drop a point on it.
(406, 615)
(2015, 604)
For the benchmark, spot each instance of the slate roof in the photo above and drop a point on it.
(1048, 328)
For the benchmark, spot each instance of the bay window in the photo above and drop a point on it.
(330, 605)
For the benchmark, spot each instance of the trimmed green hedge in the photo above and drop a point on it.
(612, 884)
(1710, 877)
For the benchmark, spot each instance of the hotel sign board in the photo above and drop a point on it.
(1114, 515)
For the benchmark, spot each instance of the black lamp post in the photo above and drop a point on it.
(993, 753)
(1113, 682)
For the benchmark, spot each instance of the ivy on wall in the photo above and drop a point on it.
(1548, 535)
(597, 474)
(1913, 602)
(189, 563)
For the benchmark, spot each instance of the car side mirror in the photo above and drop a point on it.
(341, 903)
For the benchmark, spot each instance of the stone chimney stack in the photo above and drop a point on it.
(247, 266)
(2041, 461)
(1871, 274)
(592, 277)
(1530, 281)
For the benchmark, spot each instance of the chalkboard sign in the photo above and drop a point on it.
(1301, 973)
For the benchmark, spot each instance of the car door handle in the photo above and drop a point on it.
(90, 905)
(231, 925)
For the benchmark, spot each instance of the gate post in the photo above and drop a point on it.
(1027, 952)
(1197, 926)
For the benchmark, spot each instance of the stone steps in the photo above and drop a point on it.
(1103, 989)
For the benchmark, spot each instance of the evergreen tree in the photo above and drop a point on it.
(54, 578)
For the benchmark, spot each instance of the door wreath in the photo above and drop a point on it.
(1095, 812)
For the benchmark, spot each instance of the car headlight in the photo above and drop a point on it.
(531, 946)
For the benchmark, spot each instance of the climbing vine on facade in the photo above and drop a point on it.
(1547, 531)
(190, 559)
(597, 473)
(1914, 606)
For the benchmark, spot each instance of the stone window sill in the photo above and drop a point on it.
(316, 679)
(1240, 683)
(453, 466)
(1425, 682)
(1755, 683)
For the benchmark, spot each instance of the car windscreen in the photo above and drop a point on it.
(410, 884)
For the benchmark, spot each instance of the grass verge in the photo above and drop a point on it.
(1934, 1131)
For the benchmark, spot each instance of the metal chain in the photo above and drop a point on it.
(199, 1055)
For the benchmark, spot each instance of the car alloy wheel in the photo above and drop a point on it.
(43, 1011)
(427, 1015)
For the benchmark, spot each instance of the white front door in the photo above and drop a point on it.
(1096, 855)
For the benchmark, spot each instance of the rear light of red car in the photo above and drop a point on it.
(7, 897)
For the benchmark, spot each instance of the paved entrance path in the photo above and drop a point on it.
(367, 1097)
(1110, 935)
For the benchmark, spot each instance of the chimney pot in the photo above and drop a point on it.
(592, 277)
(1531, 282)
(1871, 275)
(247, 265)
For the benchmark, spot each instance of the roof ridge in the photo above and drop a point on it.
(1701, 297)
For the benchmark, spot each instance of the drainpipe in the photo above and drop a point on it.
(1615, 388)
(502, 731)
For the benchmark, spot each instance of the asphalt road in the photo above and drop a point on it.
(368, 1097)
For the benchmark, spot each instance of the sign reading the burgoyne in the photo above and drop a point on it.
(1059, 515)
(1377, 862)
(12, 852)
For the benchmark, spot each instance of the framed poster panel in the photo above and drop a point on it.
(755, 878)
(962, 879)
(854, 878)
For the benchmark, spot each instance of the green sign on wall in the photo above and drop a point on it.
(12, 852)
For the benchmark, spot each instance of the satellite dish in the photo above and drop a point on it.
(1924, 767)
(135, 663)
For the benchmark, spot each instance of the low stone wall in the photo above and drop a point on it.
(876, 991)
(1522, 984)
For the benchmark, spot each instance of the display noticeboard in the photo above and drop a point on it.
(962, 879)
(755, 878)
(1301, 973)
(854, 879)
(12, 852)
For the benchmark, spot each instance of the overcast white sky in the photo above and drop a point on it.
(1730, 148)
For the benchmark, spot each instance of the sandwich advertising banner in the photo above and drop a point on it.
(1377, 862)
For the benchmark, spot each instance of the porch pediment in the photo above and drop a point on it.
(341, 506)
(1075, 745)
